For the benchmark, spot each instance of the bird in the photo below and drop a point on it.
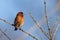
(19, 20)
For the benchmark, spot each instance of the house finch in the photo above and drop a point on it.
(19, 20)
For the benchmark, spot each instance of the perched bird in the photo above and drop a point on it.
(19, 20)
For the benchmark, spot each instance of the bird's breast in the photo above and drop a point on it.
(20, 19)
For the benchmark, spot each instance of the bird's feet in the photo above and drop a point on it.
(15, 29)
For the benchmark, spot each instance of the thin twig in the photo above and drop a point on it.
(29, 34)
(56, 31)
(2, 34)
(38, 25)
(5, 21)
(20, 29)
(50, 34)
(5, 34)
(55, 28)
(46, 15)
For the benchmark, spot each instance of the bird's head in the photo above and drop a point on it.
(20, 14)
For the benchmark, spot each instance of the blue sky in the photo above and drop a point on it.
(9, 9)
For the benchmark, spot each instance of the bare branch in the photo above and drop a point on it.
(20, 29)
(46, 15)
(28, 34)
(38, 25)
(2, 34)
(5, 34)
(50, 33)
(56, 29)
(5, 21)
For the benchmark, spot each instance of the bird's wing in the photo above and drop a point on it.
(15, 22)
